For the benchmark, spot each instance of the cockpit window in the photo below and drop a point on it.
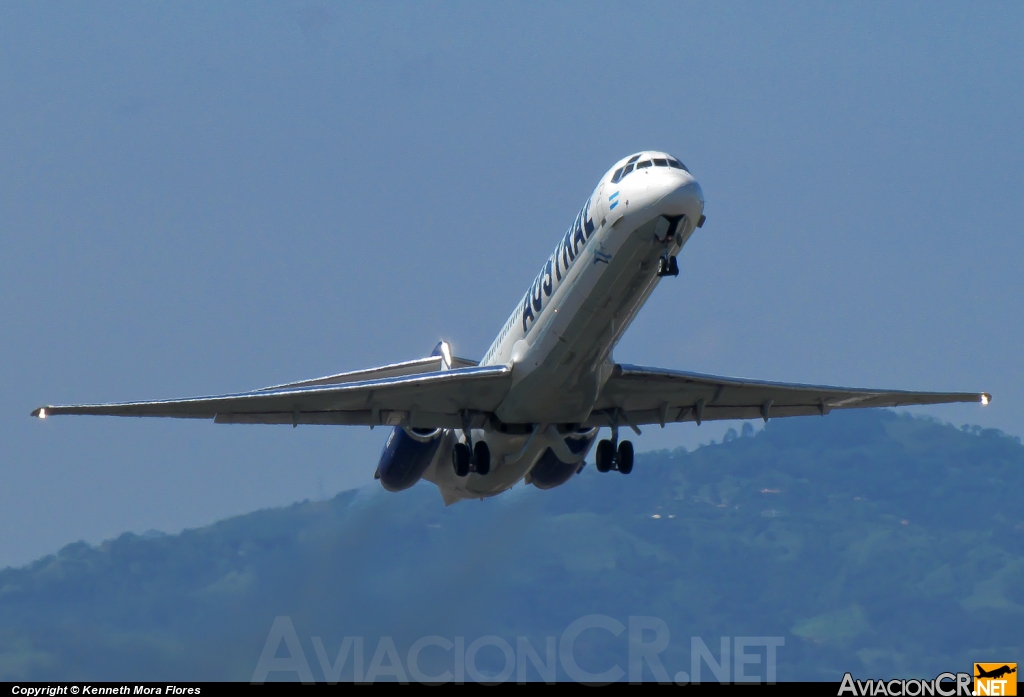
(621, 173)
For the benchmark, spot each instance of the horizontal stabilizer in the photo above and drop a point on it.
(430, 364)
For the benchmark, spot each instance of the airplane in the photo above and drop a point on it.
(995, 673)
(530, 410)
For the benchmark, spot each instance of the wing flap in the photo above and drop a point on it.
(357, 417)
(653, 395)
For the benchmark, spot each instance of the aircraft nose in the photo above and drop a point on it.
(683, 196)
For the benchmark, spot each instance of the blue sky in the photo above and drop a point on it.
(207, 198)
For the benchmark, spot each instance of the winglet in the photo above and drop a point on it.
(40, 413)
(985, 398)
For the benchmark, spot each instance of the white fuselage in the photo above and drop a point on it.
(560, 338)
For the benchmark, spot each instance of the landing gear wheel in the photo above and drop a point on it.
(625, 457)
(482, 457)
(668, 266)
(604, 456)
(460, 459)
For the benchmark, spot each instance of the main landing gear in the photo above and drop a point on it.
(476, 460)
(467, 457)
(608, 457)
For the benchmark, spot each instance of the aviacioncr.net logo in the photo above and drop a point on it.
(943, 685)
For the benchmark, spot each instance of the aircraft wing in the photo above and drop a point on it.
(433, 399)
(655, 396)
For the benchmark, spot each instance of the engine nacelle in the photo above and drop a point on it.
(550, 472)
(407, 455)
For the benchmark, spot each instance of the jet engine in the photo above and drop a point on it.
(550, 472)
(406, 456)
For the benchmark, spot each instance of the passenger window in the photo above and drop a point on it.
(642, 165)
(617, 176)
(659, 162)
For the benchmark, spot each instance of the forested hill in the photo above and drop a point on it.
(872, 542)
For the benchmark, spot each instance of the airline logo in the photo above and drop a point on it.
(995, 679)
(557, 267)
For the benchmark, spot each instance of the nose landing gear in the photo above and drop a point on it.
(667, 265)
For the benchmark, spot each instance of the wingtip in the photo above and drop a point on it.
(39, 413)
(985, 398)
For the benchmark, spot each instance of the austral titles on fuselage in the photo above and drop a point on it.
(572, 244)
